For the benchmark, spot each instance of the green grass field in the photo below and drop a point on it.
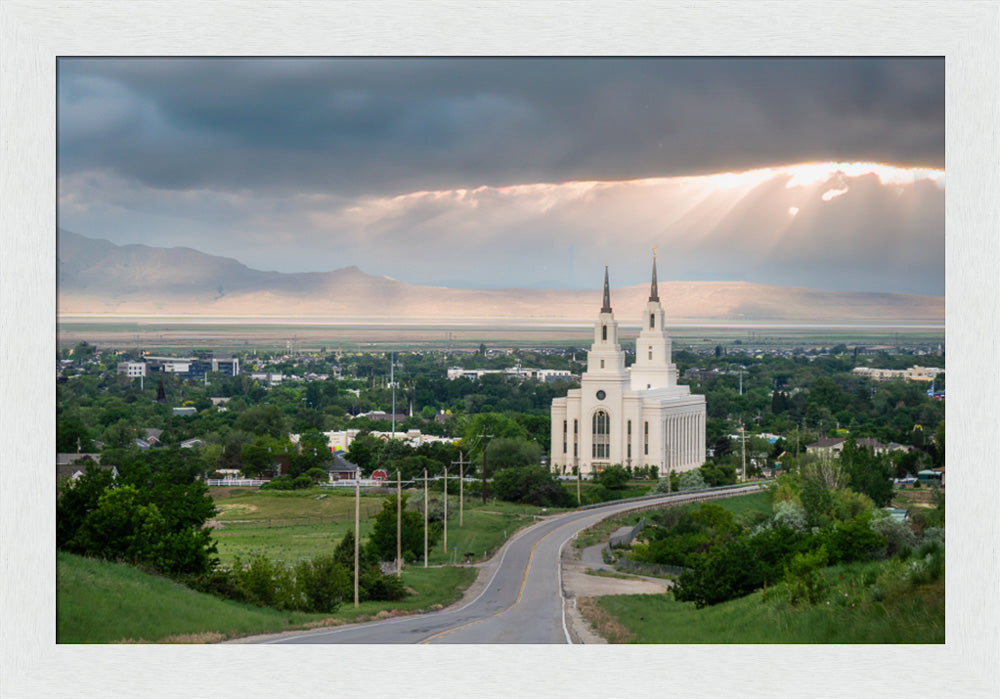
(289, 526)
(101, 602)
(755, 502)
(853, 611)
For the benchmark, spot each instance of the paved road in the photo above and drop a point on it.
(521, 603)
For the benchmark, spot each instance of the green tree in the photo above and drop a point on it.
(613, 477)
(506, 452)
(78, 500)
(382, 541)
(867, 472)
(723, 573)
(72, 436)
(257, 458)
(531, 485)
(364, 452)
(120, 435)
(263, 421)
(495, 426)
(154, 513)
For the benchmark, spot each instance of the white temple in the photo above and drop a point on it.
(637, 416)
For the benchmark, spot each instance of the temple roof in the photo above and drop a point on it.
(654, 295)
(606, 308)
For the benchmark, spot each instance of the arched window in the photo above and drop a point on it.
(629, 455)
(602, 435)
(604, 333)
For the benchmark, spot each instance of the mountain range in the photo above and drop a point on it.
(98, 278)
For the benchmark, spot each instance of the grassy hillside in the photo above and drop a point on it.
(101, 602)
(865, 603)
(886, 601)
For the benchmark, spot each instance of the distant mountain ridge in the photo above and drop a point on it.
(97, 277)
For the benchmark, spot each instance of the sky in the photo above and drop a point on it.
(824, 173)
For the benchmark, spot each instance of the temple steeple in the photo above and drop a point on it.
(606, 308)
(653, 293)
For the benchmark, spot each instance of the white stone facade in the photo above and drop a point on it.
(638, 416)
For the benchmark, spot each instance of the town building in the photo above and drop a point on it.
(636, 416)
(188, 367)
(914, 373)
(518, 373)
(132, 369)
(833, 446)
(339, 441)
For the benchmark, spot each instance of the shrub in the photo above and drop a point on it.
(790, 514)
(264, 583)
(532, 485)
(716, 474)
(727, 571)
(316, 475)
(663, 485)
(279, 483)
(595, 494)
(379, 586)
(898, 535)
(322, 584)
(854, 541)
(691, 480)
(613, 477)
(775, 546)
(803, 577)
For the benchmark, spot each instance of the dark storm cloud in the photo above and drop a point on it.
(378, 126)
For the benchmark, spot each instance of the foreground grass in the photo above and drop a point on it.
(483, 531)
(101, 602)
(851, 613)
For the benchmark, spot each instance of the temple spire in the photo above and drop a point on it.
(654, 295)
(606, 308)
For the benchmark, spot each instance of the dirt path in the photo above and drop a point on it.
(578, 584)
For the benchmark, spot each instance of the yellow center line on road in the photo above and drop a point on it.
(520, 594)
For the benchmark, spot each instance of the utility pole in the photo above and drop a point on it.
(446, 511)
(579, 502)
(743, 449)
(425, 518)
(399, 526)
(461, 489)
(357, 533)
(483, 437)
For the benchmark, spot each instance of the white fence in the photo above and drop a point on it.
(234, 481)
(363, 482)
(343, 483)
